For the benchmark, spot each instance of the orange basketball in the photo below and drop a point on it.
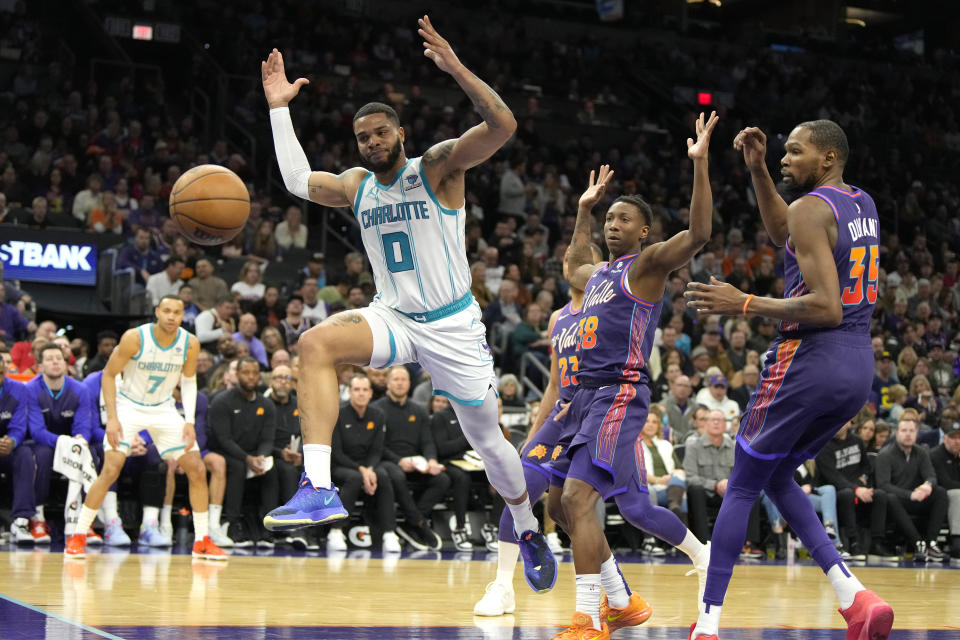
(210, 204)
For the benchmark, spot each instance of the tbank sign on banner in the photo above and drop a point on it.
(53, 262)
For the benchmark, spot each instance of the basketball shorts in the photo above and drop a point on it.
(809, 388)
(543, 449)
(606, 451)
(163, 422)
(452, 349)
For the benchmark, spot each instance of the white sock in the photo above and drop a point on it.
(201, 525)
(614, 584)
(507, 554)
(588, 596)
(87, 516)
(215, 510)
(150, 516)
(39, 514)
(845, 584)
(108, 510)
(316, 462)
(690, 545)
(523, 518)
(708, 623)
(165, 512)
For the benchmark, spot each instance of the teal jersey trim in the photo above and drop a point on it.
(393, 349)
(142, 340)
(52, 394)
(467, 403)
(176, 339)
(166, 451)
(142, 404)
(356, 199)
(433, 196)
(395, 178)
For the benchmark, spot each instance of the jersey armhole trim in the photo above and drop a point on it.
(359, 195)
(433, 196)
(142, 340)
(625, 286)
(829, 202)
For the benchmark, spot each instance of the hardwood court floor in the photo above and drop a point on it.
(360, 595)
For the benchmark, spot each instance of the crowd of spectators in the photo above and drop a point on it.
(104, 159)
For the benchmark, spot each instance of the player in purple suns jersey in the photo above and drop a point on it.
(830, 234)
(540, 447)
(621, 305)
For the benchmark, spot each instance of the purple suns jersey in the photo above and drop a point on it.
(616, 328)
(563, 342)
(857, 256)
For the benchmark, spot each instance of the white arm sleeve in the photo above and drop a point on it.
(290, 156)
(188, 394)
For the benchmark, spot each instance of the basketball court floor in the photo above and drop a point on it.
(359, 594)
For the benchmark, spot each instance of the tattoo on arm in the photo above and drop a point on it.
(315, 188)
(487, 102)
(579, 249)
(796, 306)
(438, 153)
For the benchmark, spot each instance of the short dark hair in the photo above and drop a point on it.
(48, 347)
(826, 135)
(223, 299)
(640, 204)
(107, 334)
(377, 107)
(169, 296)
(247, 360)
(173, 258)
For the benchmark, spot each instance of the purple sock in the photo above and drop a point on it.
(748, 477)
(537, 485)
(636, 509)
(797, 509)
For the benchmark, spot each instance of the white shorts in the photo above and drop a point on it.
(162, 421)
(453, 350)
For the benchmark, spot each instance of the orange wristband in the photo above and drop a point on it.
(747, 303)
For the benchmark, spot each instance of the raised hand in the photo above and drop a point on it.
(753, 143)
(277, 90)
(436, 48)
(698, 150)
(596, 188)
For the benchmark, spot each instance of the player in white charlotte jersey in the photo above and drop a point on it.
(153, 359)
(411, 213)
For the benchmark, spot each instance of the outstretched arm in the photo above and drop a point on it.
(753, 142)
(810, 220)
(479, 142)
(324, 188)
(579, 258)
(663, 257)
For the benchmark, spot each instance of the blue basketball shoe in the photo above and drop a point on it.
(308, 506)
(539, 565)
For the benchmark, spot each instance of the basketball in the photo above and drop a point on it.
(210, 204)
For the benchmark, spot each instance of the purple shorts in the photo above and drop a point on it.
(606, 452)
(543, 451)
(809, 388)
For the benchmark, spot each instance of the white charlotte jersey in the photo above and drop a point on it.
(415, 245)
(150, 376)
